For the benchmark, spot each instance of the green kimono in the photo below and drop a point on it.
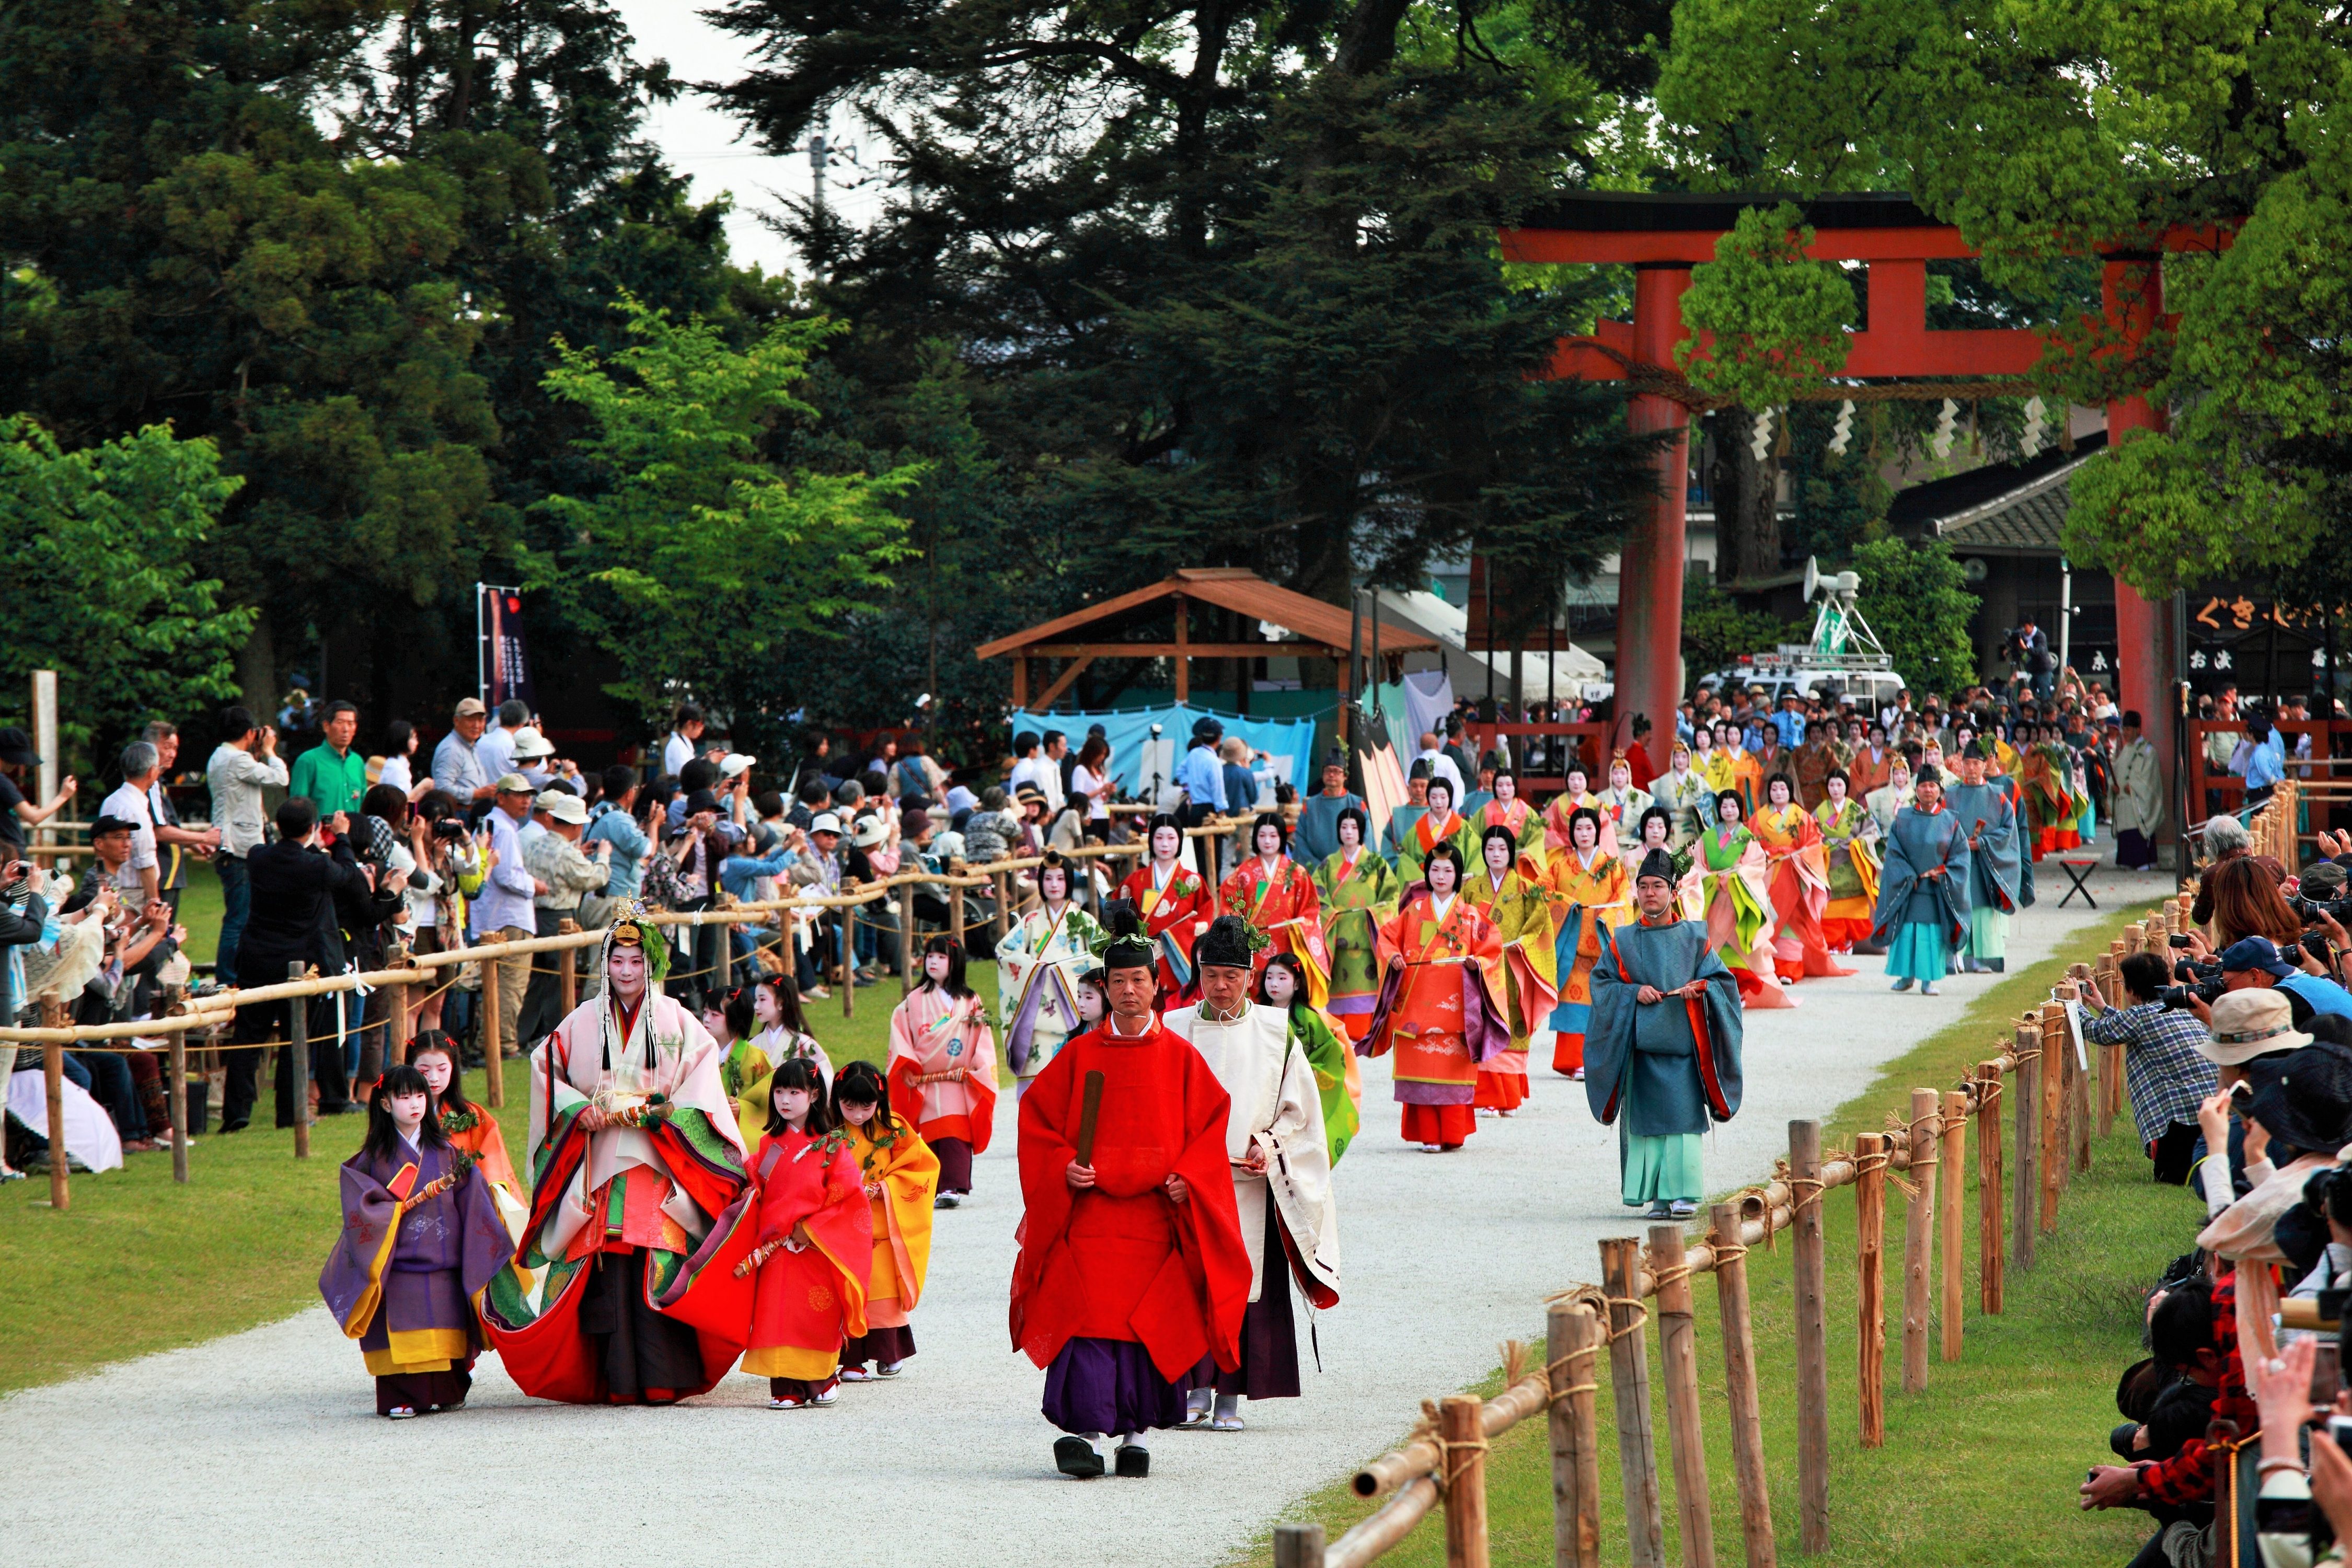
(1355, 901)
(1332, 1059)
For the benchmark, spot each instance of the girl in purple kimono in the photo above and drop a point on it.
(421, 1238)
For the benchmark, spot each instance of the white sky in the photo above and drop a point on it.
(705, 143)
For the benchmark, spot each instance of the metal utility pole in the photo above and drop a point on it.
(816, 152)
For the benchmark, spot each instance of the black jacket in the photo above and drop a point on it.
(302, 899)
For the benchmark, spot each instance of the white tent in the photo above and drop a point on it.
(1568, 674)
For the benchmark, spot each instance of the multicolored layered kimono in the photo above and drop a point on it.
(1869, 770)
(2052, 809)
(1176, 906)
(942, 1073)
(1846, 832)
(1418, 842)
(778, 1045)
(1441, 1012)
(404, 1282)
(1564, 805)
(805, 1302)
(743, 1065)
(1586, 898)
(1621, 816)
(899, 1159)
(621, 1290)
(1039, 965)
(1317, 833)
(1727, 881)
(1797, 877)
(1338, 1078)
(1279, 899)
(1691, 799)
(1737, 770)
(1355, 897)
(1519, 910)
(1118, 1291)
(1923, 893)
(1665, 1071)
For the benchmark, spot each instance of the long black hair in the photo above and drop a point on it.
(1642, 828)
(454, 1097)
(384, 1139)
(737, 1011)
(946, 944)
(1290, 961)
(1273, 819)
(787, 996)
(861, 1081)
(799, 1072)
(1363, 825)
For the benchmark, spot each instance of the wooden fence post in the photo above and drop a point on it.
(1870, 1154)
(2110, 1057)
(1920, 1238)
(1629, 1377)
(1949, 1205)
(1810, 1271)
(726, 965)
(955, 911)
(2078, 1097)
(845, 925)
(2052, 1151)
(494, 1066)
(298, 1067)
(1572, 1348)
(1739, 1382)
(1988, 1194)
(1678, 1359)
(2025, 1182)
(567, 977)
(53, 1086)
(1298, 1546)
(1463, 1466)
(175, 1093)
(396, 1032)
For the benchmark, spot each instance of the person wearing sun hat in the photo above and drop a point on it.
(2251, 1035)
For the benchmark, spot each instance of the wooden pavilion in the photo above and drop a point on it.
(1211, 612)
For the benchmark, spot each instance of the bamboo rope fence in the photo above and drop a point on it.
(2058, 1094)
(208, 1015)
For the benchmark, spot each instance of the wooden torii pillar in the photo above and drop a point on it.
(1662, 237)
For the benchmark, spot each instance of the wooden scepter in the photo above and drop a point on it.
(1088, 1113)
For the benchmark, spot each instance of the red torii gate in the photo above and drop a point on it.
(1662, 236)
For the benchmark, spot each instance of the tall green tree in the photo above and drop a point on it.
(1226, 279)
(705, 566)
(105, 550)
(2048, 132)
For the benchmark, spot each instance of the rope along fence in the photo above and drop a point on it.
(206, 1016)
(2061, 1094)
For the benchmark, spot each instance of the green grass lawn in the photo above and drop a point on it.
(1979, 1469)
(139, 1263)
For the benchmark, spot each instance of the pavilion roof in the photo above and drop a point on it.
(1309, 621)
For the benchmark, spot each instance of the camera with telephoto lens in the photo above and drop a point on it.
(2203, 981)
(449, 829)
(2311, 910)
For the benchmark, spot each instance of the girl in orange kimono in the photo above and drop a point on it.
(1578, 796)
(1510, 892)
(1590, 890)
(1175, 905)
(901, 1177)
(1439, 1010)
(813, 1253)
(1441, 824)
(943, 1067)
(1846, 832)
(471, 1129)
(1277, 895)
(1507, 810)
(1797, 874)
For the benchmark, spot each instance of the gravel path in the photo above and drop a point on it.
(264, 1447)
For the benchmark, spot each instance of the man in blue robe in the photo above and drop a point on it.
(1662, 1050)
(1985, 816)
(1923, 888)
(1316, 837)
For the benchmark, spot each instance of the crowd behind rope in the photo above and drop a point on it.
(424, 845)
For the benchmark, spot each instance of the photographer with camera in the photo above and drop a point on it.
(2165, 1072)
(2028, 647)
(2256, 961)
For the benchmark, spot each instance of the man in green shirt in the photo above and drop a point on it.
(330, 775)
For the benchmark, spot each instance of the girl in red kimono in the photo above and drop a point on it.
(1175, 905)
(902, 1177)
(1441, 1010)
(943, 1067)
(1798, 878)
(1276, 895)
(814, 1247)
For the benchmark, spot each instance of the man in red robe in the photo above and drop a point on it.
(1131, 1267)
